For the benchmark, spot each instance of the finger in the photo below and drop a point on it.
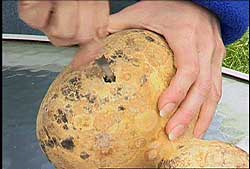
(209, 107)
(35, 13)
(192, 103)
(206, 115)
(122, 20)
(93, 20)
(186, 61)
(63, 23)
(87, 53)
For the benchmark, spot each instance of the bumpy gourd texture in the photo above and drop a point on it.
(87, 123)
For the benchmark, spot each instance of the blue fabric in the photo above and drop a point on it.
(233, 16)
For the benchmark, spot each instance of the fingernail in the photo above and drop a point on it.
(168, 108)
(176, 132)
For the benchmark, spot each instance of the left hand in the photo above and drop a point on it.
(193, 33)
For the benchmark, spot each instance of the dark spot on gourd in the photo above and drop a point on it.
(55, 141)
(65, 127)
(90, 97)
(59, 121)
(119, 53)
(46, 132)
(68, 143)
(118, 91)
(121, 108)
(108, 79)
(75, 81)
(181, 146)
(150, 39)
(43, 146)
(71, 93)
(50, 143)
(62, 116)
(168, 163)
(68, 106)
(54, 96)
(84, 155)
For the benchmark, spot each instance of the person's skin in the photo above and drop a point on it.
(192, 32)
(69, 23)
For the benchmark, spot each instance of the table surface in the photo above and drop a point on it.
(28, 70)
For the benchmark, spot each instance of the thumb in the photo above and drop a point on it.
(124, 19)
(87, 53)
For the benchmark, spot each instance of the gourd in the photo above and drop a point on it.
(86, 122)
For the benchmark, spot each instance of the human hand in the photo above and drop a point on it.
(69, 23)
(193, 33)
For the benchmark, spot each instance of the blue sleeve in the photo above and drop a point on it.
(233, 16)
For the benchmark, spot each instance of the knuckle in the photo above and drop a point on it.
(191, 71)
(179, 94)
(187, 116)
(204, 87)
(220, 49)
(101, 32)
(217, 94)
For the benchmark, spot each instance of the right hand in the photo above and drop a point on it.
(68, 23)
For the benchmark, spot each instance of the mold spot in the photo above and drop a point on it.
(43, 146)
(55, 141)
(90, 97)
(61, 117)
(75, 81)
(50, 143)
(150, 39)
(68, 143)
(68, 106)
(181, 146)
(168, 163)
(119, 53)
(84, 155)
(46, 132)
(70, 93)
(108, 79)
(65, 127)
(54, 96)
(103, 140)
(121, 108)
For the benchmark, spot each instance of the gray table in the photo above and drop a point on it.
(28, 70)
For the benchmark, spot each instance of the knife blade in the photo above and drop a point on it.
(102, 62)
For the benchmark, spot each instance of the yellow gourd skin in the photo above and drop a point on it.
(87, 123)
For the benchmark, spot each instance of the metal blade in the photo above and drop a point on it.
(104, 65)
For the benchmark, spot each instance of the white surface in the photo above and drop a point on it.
(25, 37)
